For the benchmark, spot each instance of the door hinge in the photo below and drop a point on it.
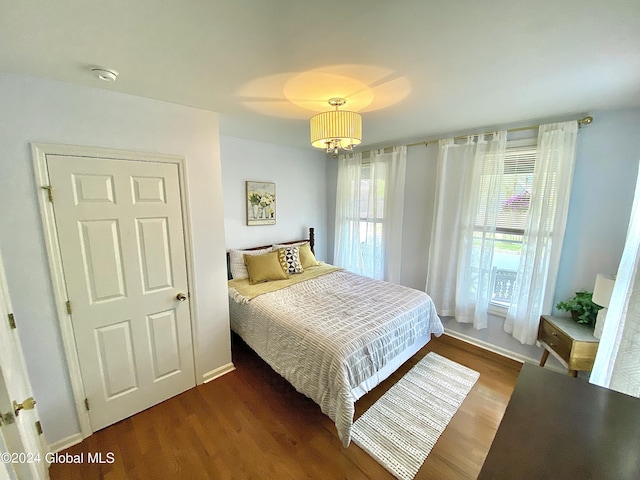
(69, 307)
(39, 427)
(12, 321)
(86, 403)
(49, 190)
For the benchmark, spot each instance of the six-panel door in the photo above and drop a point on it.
(120, 230)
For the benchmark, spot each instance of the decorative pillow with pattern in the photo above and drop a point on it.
(289, 258)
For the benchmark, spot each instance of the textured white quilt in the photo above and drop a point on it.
(328, 334)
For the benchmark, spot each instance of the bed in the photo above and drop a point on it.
(332, 334)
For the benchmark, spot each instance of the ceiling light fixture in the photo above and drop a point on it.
(336, 129)
(104, 74)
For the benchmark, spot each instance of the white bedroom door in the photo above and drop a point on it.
(23, 447)
(121, 237)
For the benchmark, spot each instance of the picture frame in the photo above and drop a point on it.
(261, 203)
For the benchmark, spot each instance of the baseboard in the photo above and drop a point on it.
(66, 442)
(218, 372)
(499, 350)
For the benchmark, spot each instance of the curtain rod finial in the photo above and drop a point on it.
(585, 121)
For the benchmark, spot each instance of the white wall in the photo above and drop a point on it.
(45, 111)
(301, 192)
(603, 185)
(419, 198)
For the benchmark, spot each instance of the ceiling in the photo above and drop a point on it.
(414, 68)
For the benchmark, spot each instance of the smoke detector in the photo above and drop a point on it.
(105, 74)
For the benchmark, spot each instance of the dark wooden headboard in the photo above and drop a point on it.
(311, 240)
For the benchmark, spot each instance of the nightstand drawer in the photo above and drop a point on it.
(556, 339)
(571, 343)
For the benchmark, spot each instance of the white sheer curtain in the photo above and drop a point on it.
(453, 169)
(369, 213)
(459, 277)
(617, 364)
(461, 251)
(478, 231)
(346, 250)
(542, 243)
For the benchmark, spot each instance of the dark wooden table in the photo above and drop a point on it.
(559, 427)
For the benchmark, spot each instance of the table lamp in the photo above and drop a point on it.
(602, 296)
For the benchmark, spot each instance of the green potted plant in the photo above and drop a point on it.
(581, 307)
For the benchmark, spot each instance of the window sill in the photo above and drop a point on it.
(498, 310)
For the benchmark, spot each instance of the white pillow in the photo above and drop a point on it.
(278, 246)
(236, 261)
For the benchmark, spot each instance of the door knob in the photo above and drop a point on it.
(181, 296)
(27, 404)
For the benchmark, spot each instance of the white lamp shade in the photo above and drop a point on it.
(603, 289)
(336, 125)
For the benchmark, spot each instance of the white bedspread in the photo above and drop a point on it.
(328, 334)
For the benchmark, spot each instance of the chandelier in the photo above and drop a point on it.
(336, 129)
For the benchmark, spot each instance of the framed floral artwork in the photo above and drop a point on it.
(261, 203)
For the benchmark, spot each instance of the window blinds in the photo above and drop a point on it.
(516, 180)
(515, 191)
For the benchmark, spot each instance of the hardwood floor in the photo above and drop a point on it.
(252, 424)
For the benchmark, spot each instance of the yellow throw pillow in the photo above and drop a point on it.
(307, 258)
(264, 268)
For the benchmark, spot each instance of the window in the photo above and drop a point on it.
(511, 218)
(369, 204)
(371, 218)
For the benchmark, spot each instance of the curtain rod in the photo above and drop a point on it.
(582, 121)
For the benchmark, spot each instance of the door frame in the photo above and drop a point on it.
(12, 432)
(39, 153)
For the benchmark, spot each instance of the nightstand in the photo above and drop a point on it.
(573, 344)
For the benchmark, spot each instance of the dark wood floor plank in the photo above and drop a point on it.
(252, 424)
